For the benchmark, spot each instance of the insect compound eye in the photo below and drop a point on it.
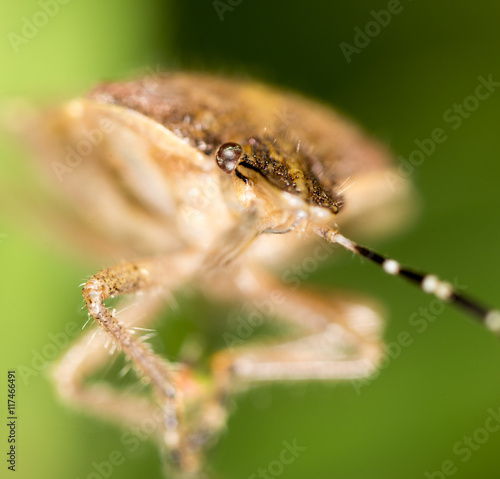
(228, 155)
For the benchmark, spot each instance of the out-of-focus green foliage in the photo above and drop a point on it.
(400, 81)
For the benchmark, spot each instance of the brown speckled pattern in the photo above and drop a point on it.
(284, 136)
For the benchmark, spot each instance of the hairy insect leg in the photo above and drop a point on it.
(91, 352)
(168, 381)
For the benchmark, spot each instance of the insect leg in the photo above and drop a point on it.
(88, 354)
(167, 380)
(339, 339)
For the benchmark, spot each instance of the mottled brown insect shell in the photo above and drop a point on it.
(297, 145)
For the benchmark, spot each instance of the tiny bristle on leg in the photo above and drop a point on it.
(428, 283)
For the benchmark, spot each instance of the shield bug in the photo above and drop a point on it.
(189, 178)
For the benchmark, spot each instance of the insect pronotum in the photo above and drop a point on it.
(194, 178)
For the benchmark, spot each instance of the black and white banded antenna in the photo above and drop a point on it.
(429, 283)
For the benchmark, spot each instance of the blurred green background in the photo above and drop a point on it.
(407, 421)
